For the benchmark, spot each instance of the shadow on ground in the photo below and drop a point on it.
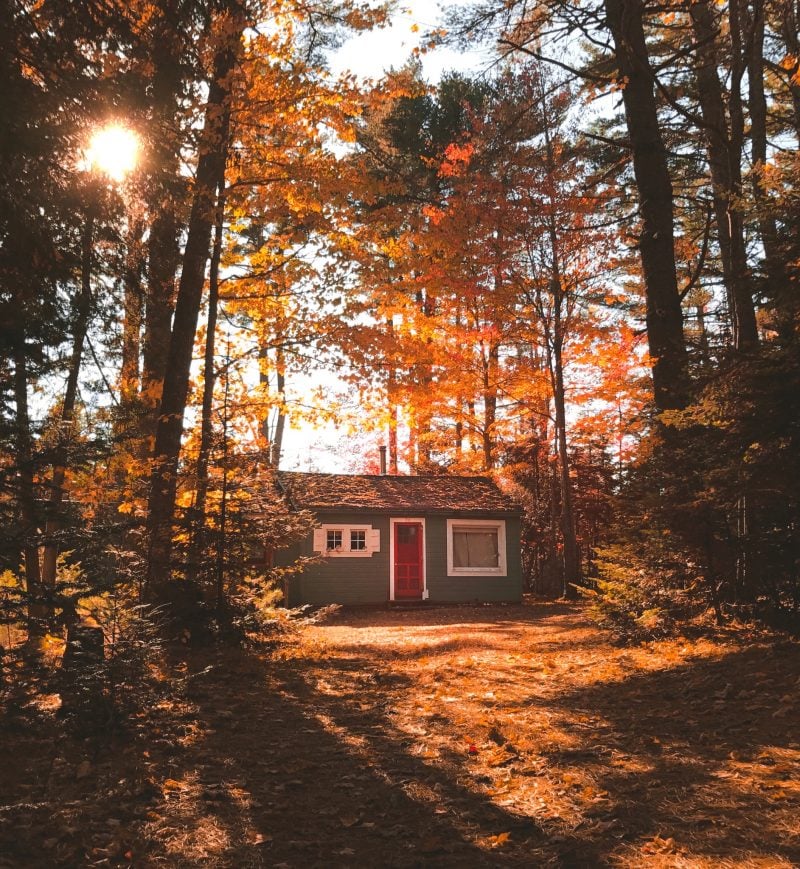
(318, 758)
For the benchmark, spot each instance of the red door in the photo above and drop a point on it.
(408, 568)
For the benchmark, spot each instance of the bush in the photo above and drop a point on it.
(640, 593)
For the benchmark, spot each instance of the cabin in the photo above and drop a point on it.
(400, 539)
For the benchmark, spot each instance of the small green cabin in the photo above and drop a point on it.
(394, 538)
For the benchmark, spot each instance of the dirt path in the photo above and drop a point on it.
(480, 736)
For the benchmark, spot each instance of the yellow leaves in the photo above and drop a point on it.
(8, 579)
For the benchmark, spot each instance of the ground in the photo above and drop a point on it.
(466, 736)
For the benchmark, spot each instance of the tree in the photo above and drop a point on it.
(226, 35)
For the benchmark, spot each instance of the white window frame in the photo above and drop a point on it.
(346, 551)
(498, 525)
(363, 531)
(338, 531)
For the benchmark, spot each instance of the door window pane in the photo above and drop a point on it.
(406, 533)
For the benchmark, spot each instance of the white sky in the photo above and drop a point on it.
(369, 55)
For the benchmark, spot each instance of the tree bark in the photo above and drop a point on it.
(82, 312)
(165, 205)
(555, 333)
(276, 447)
(746, 331)
(490, 362)
(391, 386)
(777, 277)
(724, 160)
(26, 494)
(132, 326)
(169, 429)
(664, 317)
(198, 530)
(789, 15)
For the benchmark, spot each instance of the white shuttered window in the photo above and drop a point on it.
(347, 541)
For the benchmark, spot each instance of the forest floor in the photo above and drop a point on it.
(455, 737)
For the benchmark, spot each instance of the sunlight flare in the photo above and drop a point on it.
(113, 150)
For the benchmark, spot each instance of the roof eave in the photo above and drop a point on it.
(413, 511)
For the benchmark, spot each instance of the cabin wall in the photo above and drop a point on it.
(348, 581)
(465, 589)
(365, 580)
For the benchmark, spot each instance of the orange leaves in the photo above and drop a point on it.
(457, 158)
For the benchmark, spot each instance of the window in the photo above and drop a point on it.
(407, 534)
(347, 541)
(476, 547)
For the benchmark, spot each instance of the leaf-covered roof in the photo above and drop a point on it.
(394, 494)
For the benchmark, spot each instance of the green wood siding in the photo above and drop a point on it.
(462, 589)
(354, 581)
(342, 580)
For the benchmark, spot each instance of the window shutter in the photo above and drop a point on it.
(374, 540)
(319, 540)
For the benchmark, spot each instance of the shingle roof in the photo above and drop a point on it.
(395, 494)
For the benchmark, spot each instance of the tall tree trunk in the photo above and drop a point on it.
(746, 330)
(211, 163)
(165, 205)
(276, 447)
(132, 325)
(777, 277)
(25, 482)
(423, 414)
(198, 531)
(664, 317)
(391, 386)
(489, 361)
(223, 503)
(572, 561)
(273, 434)
(788, 13)
(163, 261)
(82, 311)
(555, 333)
(724, 160)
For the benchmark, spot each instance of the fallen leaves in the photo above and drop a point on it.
(499, 840)
(536, 744)
(660, 845)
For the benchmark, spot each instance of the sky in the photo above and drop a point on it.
(329, 448)
(370, 54)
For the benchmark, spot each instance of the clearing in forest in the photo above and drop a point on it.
(466, 736)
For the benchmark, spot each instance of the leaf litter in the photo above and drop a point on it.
(464, 736)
